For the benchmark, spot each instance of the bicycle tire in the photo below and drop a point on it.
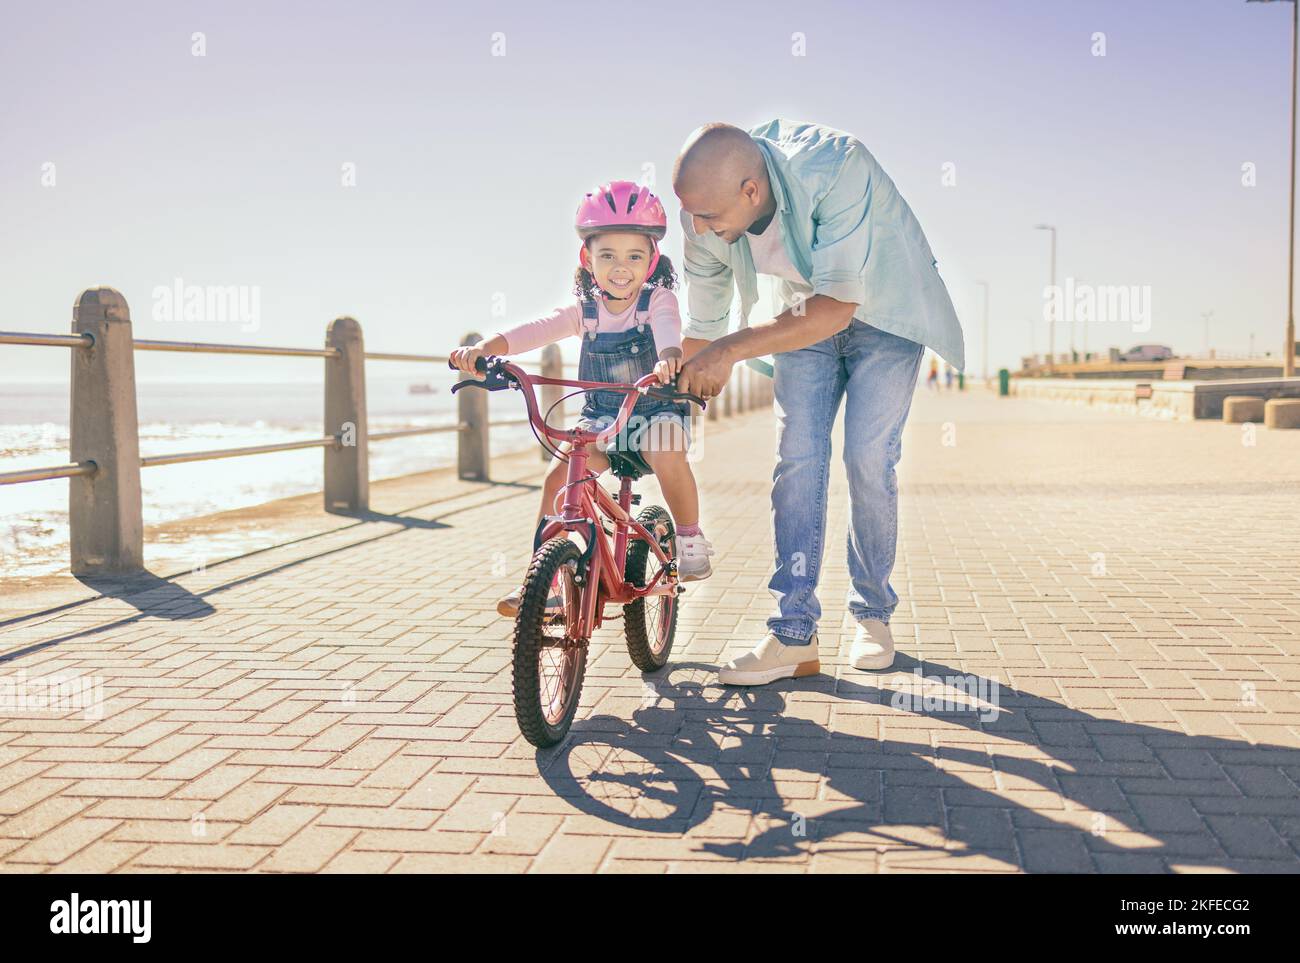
(649, 650)
(532, 644)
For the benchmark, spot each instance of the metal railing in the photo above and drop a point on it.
(105, 511)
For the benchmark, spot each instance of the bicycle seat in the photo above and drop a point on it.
(627, 464)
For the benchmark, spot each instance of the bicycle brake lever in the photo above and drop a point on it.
(493, 382)
(495, 379)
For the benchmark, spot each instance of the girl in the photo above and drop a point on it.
(627, 317)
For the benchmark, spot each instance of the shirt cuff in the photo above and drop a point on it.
(846, 288)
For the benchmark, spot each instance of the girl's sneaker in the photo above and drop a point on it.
(693, 553)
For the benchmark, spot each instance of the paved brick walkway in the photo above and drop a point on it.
(343, 703)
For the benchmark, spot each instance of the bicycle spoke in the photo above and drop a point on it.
(556, 659)
(552, 693)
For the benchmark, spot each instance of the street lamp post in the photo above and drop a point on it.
(1079, 284)
(1288, 349)
(1051, 323)
(985, 286)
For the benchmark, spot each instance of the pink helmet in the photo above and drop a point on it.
(621, 206)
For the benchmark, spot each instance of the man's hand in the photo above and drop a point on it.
(709, 363)
(706, 372)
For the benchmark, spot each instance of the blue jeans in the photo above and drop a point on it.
(877, 372)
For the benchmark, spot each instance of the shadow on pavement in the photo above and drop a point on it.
(1073, 792)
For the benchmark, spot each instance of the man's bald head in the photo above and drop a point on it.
(717, 157)
(721, 179)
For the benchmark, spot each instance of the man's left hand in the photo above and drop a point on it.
(707, 372)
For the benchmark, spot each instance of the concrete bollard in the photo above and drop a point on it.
(1282, 413)
(472, 451)
(347, 465)
(1238, 409)
(104, 509)
(552, 367)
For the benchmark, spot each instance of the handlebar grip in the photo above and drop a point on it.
(480, 365)
(671, 394)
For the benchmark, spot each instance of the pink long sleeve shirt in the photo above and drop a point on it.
(663, 317)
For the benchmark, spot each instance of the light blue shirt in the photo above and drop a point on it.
(846, 230)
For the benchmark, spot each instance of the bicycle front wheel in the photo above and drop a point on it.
(549, 664)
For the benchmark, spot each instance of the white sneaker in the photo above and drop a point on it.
(873, 646)
(770, 660)
(693, 553)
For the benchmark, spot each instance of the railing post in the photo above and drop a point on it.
(347, 464)
(106, 531)
(552, 367)
(472, 451)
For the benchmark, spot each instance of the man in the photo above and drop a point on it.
(810, 206)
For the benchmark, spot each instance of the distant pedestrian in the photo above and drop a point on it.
(932, 379)
(947, 376)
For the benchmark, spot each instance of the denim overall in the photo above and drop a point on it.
(623, 357)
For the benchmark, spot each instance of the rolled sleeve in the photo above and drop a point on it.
(709, 288)
(842, 233)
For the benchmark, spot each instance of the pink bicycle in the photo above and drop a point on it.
(568, 585)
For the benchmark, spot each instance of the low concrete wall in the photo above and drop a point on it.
(1192, 370)
(1210, 395)
(1176, 400)
(1171, 399)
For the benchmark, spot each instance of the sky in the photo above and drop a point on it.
(473, 129)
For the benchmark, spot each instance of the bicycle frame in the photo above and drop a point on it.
(586, 503)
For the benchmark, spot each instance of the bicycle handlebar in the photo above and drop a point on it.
(501, 374)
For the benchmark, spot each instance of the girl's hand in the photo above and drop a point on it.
(465, 358)
(666, 370)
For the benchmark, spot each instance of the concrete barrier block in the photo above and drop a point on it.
(1282, 413)
(1238, 409)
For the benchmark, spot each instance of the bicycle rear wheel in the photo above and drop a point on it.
(549, 665)
(650, 622)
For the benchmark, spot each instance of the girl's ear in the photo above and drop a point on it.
(584, 257)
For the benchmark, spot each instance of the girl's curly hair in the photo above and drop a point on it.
(585, 287)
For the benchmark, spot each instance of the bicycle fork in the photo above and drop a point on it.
(599, 564)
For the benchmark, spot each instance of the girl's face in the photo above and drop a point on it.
(620, 262)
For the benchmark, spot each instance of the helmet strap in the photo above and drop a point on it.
(654, 259)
